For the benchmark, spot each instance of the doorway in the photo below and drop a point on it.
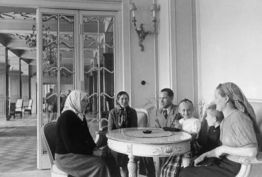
(75, 50)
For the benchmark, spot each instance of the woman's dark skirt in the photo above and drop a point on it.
(121, 160)
(212, 167)
(79, 165)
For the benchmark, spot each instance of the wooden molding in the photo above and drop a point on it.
(79, 4)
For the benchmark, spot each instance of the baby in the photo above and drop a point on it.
(211, 133)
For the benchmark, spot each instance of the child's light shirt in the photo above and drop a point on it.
(191, 125)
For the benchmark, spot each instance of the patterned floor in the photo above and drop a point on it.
(18, 145)
(18, 148)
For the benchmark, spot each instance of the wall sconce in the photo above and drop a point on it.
(141, 32)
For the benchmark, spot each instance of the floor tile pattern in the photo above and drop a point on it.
(18, 145)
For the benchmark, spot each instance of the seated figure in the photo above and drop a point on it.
(76, 152)
(189, 124)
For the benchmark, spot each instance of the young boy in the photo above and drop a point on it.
(189, 124)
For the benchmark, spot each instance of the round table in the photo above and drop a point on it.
(147, 142)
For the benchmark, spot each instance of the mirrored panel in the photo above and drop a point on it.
(98, 52)
(58, 58)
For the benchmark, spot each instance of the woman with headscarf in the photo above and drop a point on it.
(123, 116)
(76, 151)
(238, 135)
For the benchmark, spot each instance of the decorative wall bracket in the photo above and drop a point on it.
(141, 32)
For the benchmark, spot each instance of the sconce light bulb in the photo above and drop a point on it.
(133, 9)
(153, 9)
(133, 14)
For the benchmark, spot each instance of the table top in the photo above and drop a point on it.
(146, 135)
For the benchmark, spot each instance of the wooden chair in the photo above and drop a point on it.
(48, 133)
(251, 167)
(28, 108)
(142, 117)
(19, 107)
(12, 110)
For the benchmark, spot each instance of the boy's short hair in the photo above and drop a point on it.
(186, 101)
(218, 114)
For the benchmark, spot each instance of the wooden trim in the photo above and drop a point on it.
(125, 41)
(252, 100)
(20, 79)
(39, 88)
(197, 49)
(156, 59)
(195, 58)
(29, 81)
(7, 83)
(86, 5)
(172, 48)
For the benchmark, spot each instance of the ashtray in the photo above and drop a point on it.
(147, 131)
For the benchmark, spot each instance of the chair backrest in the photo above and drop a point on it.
(12, 108)
(19, 103)
(257, 105)
(30, 104)
(258, 110)
(142, 117)
(103, 124)
(48, 133)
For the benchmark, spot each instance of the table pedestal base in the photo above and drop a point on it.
(132, 170)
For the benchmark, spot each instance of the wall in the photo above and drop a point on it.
(142, 62)
(173, 64)
(229, 46)
(185, 59)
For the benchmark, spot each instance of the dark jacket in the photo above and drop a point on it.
(115, 116)
(73, 135)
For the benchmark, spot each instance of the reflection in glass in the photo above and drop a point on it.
(99, 63)
(57, 62)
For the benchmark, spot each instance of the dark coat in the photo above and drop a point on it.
(115, 116)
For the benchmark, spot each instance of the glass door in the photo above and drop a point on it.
(56, 66)
(75, 50)
(97, 49)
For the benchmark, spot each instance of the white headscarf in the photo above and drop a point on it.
(73, 103)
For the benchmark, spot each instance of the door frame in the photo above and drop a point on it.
(123, 38)
(42, 159)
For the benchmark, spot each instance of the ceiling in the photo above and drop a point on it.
(15, 25)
